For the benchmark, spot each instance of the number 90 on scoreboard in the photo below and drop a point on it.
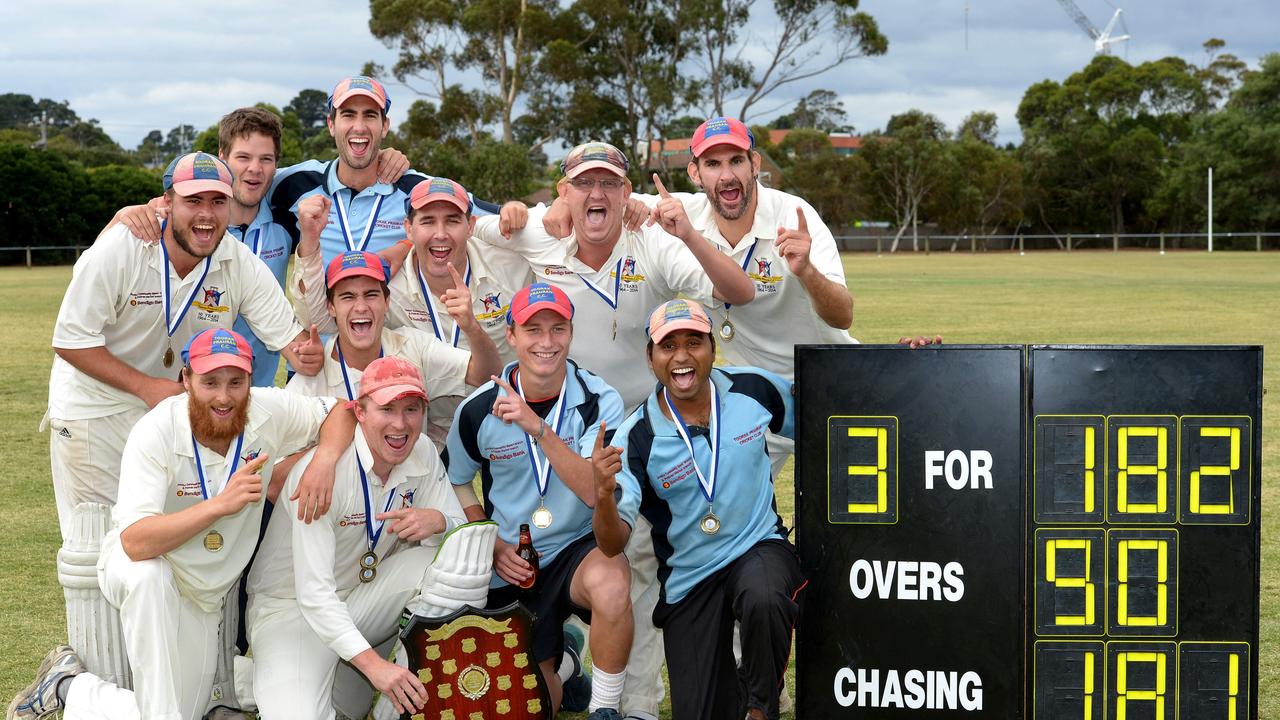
(1131, 483)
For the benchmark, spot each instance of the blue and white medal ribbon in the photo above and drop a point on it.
(369, 561)
(344, 222)
(435, 318)
(611, 302)
(541, 464)
(342, 363)
(213, 538)
(726, 327)
(171, 323)
(710, 524)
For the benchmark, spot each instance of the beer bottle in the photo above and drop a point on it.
(526, 552)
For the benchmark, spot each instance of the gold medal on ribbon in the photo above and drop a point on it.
(367, 574)
(168, 357)
(710, 523)
(726, 330)
(213, 541)
(542, 517)
(368, 566)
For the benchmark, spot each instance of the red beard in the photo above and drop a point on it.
(210, 429)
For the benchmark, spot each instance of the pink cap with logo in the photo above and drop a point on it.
(198, 172)
(721, 131)
(538, 296)
(356, 262)
(388, 379)
(677, 315)
(359, 85)
(215, 348)
(438, 189)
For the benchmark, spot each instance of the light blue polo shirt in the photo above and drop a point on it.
(272, 244)
(656, 464)
(480, 442)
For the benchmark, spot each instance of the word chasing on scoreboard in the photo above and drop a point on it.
(1073, 535)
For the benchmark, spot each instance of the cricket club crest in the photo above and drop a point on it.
(406, 498)
(212, 301)
(491, 302)
(250, 456)
(763, 266)
(764, 274)
(213, 296)
(629, 274)
(477, 663)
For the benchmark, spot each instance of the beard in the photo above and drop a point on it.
(183, 238)
(748, 191)
(210, 429)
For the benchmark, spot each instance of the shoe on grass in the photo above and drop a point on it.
(40, 698)
(577, 689)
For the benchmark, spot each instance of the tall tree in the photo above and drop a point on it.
(810, 38)
(820, 109)
(310, 108)
(906, 164)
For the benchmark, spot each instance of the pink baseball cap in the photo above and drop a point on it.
(594, 155)
(356, 262)
(538, 296)
(198, 172)
(436, 189)
(215, 348)
(677, 315)
(359, 85)
(389, 378)
(721, 131)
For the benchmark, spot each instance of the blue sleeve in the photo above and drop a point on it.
(773, 392)
(462, 461)
(628, 495)
(610, 412)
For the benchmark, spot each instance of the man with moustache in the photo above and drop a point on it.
(529, 434)
(332, 589)
(357, 302)
(425, 292)
(694, 452)
(193, 475)
(130, 306)
(369, 212)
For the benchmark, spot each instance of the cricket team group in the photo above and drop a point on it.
(564, 354)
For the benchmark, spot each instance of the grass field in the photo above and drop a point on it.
(1084, 297)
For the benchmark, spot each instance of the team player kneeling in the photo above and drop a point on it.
(375, 521)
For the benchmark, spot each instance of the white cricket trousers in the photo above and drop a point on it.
(84, 456)
(642, 690)
(172, 646)
(293, 669)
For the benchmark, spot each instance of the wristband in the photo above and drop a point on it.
(542, 432)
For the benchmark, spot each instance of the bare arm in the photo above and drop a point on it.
(101, 365)
(611, 532)
(830, 300)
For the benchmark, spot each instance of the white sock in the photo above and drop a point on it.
(568, 668)
(606, 688)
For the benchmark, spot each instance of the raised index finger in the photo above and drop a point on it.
(457, 279)
(503, 384)
(257, 462)
(804, 225)
(600, 436)
(662, 189)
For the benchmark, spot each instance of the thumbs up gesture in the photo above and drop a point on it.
(457, 301)
(670, 215)
(793, 245)
(308, 352)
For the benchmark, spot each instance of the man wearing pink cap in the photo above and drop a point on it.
(693, 452)
(530, 435)
(130, 307)
(333, 589)
(357, 303)
(193, 476)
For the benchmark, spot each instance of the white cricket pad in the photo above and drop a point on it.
(460, 573)
(93, 624)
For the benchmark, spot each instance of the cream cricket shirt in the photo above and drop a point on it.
(444, 375)
(114, 301)
(325, 569)
(767, 329)
(158, 477)
(648, 267)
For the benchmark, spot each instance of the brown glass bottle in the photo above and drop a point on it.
(526, 552)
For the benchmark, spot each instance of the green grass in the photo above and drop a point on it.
(1084, 297)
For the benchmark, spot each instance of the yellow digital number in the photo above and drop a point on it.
(1229, 508)
(1051, 576)
(1087, 689)
(880, 435)
(1126, 695)
(1126, 471)
(1123, 617)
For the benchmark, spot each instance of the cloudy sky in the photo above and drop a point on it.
(137, 65)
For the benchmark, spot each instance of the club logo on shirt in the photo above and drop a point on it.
(764, 276)
(406, 498)
(249, 456)
(750, 436)
(493, 308)
(144, 298)
(212, 305)
(491, 303)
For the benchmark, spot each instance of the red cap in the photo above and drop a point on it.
(356, 262)
(388, 379)
(538, 296)
(721, 131)
(677, 315)
(215, 348)
(438, 189)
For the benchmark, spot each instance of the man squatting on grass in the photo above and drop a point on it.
(155, 306)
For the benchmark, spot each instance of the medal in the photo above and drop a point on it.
(541, 465)
(368, 566)
(168, 357)
(367, 574)
(726, 327)
(542, 517)
(213, 541)
(710, 523)
(726, 330)
(171, 323)
(369, 561)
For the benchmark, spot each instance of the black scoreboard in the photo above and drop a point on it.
(1046, 532)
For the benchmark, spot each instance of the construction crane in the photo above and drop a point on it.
(1102, 40)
